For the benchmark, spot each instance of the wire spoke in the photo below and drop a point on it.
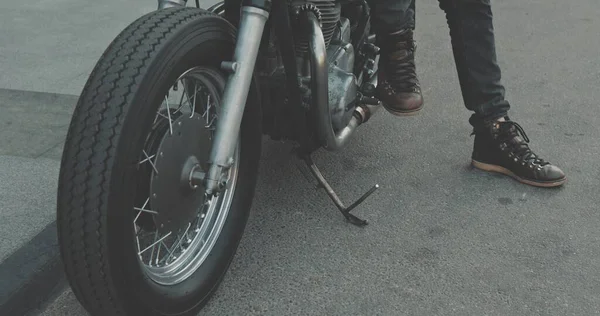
(137, 239)
(209, 125)
(162, 115)
(153, 244)
(158, 253)
(140, 210)
(178, 242)
(207, 111)
(186, 96)
(149, 160)
(169, 114)
(152, 253)
(181, 99)
(145, 210)
(194, 102)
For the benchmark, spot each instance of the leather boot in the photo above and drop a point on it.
(398, 87)
(503, 147)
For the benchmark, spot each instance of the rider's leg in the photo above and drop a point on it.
(473, 45)
(500, 144)
(398, 86)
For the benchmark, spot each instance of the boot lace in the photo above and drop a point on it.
(513, 135)
(400, 67)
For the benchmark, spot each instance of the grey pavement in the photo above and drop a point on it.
(52, 45)
(444, 239)
(32, 130)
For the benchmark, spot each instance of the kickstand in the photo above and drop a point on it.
(336, 200)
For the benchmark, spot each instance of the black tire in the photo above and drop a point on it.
(97, 176)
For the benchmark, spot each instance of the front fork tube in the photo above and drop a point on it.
(163, 4)
(241, 70)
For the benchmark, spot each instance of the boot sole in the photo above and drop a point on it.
(504, 171)
(401, 113)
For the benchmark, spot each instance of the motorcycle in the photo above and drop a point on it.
(161, 157)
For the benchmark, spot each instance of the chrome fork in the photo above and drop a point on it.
(250, 32)
(163, 4)
(241, 68)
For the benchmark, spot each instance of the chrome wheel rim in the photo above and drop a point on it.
(171, 258)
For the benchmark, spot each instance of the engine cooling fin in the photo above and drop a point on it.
(328, 11)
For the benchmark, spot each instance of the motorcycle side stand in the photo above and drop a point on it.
(333, 196)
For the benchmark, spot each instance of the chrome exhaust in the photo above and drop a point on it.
(330, 139)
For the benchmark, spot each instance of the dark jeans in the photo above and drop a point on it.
(472, 37)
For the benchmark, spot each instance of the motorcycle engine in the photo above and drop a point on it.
(343, 85)
(329, 11)
(342, 82)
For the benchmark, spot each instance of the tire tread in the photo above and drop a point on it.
(90, 149)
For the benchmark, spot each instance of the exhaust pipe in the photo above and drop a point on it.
(330, 139)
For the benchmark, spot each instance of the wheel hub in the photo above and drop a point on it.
(184, 148)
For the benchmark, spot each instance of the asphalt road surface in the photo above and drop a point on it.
(444, 239)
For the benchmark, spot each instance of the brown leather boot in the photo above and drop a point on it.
(398, 87)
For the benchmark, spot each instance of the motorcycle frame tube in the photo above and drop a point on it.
(330, 139)
(252, 23)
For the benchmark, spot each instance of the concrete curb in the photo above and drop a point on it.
(32, 275)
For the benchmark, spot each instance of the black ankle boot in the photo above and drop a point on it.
(503, 147)
(398, 87)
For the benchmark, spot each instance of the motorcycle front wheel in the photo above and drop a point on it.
(136, 236)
